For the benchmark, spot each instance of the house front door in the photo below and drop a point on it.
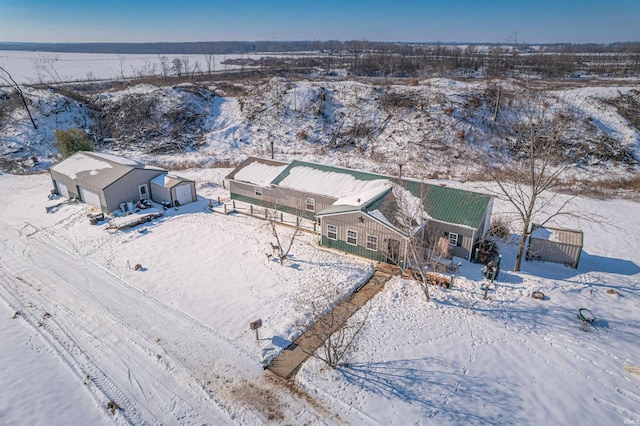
(393, 251)
(143, 192)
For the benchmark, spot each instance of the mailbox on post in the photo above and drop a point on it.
(255, 325)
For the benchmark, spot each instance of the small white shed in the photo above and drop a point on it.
(173, 190)
(555, 245)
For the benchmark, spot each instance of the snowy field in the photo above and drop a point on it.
(170, 344)
(47, 67)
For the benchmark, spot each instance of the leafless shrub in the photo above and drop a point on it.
(329, 322)
(378, 157)
(398, 100)
(487, 251)
(8, 104)
(500, 227)
(628, 105)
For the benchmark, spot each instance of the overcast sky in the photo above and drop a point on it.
(534, 21)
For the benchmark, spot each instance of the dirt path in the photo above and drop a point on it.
(289, 361)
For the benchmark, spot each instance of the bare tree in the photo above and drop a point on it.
(185, 66)
(411, 218)
(6, 77)
(528, 166)
(331, 327)
(45, 66)
(210, 58)
(122, 61)
(177, 66)
(165, 66)
(283, 244)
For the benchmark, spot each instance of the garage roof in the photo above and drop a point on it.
(97, 169)
(168, 180)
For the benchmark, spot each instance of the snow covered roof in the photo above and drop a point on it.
(257, 171)
(359, 190)
(99, 169)
(168, 181)
(565, 236)
(115, 159)
(419, 200)
(341, 184)
(82, 163)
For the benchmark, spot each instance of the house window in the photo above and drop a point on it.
(332, 232)
(352, 237)
(258, 191)
(311, 204)
(372, 242)
(455, 239)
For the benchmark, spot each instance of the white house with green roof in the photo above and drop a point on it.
(366, 214)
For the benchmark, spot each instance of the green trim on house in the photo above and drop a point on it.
(254, 201)
(357, 250)
(269, 205)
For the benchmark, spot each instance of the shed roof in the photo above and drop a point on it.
(169, 180)
(97, 169)
(571, 237)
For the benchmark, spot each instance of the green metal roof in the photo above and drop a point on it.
(360, 175)
(442, 203)
(448, 204)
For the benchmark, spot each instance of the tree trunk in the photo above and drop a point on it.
(523, 241)
(423, 284)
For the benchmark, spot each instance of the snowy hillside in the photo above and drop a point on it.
(170, 344)
(431, 126)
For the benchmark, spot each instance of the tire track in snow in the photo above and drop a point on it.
(626, 414)
(71, 354)
(629, 395)
(77, 337)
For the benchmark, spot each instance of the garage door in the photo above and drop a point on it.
(90, 197)
(183, 193)
(62, 189)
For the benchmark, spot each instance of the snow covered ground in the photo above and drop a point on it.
(47, 67)
(431, 126)
(170, 344)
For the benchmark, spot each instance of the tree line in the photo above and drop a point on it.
(383, 59)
